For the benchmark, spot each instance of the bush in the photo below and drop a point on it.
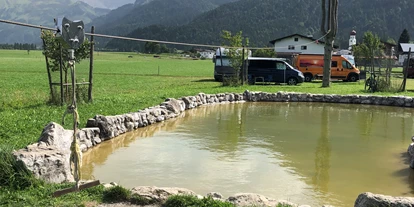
(232, 81)
(139, 200)
(388, 86)
(13, 173)
(116, 194)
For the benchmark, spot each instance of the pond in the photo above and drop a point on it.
(307, 153)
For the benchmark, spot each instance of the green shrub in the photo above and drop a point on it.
(139, 200)
(232, 81)
(192, 201)
(116, 194)
(14, 175)
(283, 205)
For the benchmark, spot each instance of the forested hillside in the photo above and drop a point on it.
(264, 20)
(40, 12)
(125, 19)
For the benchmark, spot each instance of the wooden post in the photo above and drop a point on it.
(246, 67)
(48, 69)
(406, 70)
(73, 189)
(91, 65)
(221, 57)
(242, 67)
(62, 95)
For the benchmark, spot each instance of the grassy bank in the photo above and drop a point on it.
(121, 84)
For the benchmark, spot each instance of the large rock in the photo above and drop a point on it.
(46, 162)
(49, 158)
(410, 152)
(174, 105)
(250, 199)
(377, 200)
(160, 195)
(55, 135)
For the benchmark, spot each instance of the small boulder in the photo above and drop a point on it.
(250, 199)
(215, 195)
(377, 200)
(160, 195)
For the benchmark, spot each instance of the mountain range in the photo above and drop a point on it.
(201, 21)
(264, 20)
(142, 13)
(108, 4)
(40, 12)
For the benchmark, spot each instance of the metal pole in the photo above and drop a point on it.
(91, 65)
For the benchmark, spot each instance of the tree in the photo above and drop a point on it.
(264, 53)
(152, 47)
(329, 28)
(54, 52)
(368, 50)
(235, 44)
(404, 38)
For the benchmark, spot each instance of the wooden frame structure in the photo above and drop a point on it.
(62, 83)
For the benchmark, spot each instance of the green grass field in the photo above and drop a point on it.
(121, 85)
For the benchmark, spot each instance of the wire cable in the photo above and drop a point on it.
(156, 41)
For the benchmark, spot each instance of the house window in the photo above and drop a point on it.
(291, 47)
(304, 47)
(296, 39)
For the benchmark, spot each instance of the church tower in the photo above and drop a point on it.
(352, 39)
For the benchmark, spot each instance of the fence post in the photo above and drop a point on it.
(92, 48)
(406, 70)
(242, 67)
(61, 75)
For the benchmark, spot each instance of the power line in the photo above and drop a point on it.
(155, 41)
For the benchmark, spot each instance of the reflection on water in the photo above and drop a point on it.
(308, 153)
(322, 156)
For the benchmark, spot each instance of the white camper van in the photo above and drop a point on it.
(222, 64)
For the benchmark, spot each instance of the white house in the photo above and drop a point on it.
(298, 44)
(405, 50)
(209, 54)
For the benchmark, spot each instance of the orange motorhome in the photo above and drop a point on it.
(312, 67)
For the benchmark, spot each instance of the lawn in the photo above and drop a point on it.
(121, 84)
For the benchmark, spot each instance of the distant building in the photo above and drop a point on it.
(405, 50)
(352, 39)
(209, 54)
(298, 44)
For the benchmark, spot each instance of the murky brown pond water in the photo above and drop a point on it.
(308, 153)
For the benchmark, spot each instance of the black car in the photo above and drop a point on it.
(275, 70)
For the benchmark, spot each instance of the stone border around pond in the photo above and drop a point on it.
(49, 158)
